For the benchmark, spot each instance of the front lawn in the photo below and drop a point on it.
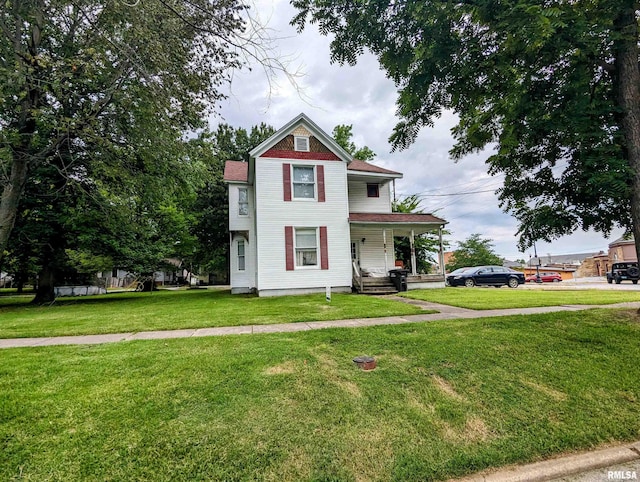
(504, 298)
(169, 310)
(448, 398)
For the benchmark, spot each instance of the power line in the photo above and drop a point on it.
(462, 193)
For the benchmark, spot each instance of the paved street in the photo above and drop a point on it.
(619, 472)
(599, 283)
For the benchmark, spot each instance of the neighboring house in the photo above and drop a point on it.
(304, 216)
(595, 266)
(623, 249)
(564, 264)
(121, 278)
(6, 281)
(566, 273)
(560, 260)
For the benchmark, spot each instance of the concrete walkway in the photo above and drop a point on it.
(445, 312)
(615, 463)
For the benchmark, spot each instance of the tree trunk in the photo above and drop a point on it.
(53, 260)
(628, 76)
(46, 282)
(26, 125)
(10, 200)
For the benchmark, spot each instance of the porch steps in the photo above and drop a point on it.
(378, 286)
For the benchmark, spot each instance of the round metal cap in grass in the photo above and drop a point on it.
(365, 362)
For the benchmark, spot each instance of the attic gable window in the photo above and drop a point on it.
(301, 143)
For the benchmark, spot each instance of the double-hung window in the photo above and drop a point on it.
(304, 182)
(243, 201)
(241, 256)
(306, 247)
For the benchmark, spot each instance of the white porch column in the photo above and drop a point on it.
(384, 243)
(414, 270)
(441, 254)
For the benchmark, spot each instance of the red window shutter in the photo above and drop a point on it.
(320, 175)
(324, 251)
(288, 245)
(286, 181)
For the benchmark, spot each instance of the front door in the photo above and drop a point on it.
(355, 252)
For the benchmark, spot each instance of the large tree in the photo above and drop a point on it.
(473, 251)
(342, 133)
(553, 86)
(72, 224)
(210, 209)
(98, 89)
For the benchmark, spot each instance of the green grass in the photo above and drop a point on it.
(492, 298)
(167, 310)
(448, 398)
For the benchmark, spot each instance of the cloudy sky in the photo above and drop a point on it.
(363, 97)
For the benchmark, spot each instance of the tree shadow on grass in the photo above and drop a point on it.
(160, 296)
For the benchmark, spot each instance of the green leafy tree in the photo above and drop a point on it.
(210, 209)
(70, 226)
(474, 251)
(554, 86)
(426, 246)
(342, 134)
(97, 88)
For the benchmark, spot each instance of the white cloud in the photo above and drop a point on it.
(363, 96)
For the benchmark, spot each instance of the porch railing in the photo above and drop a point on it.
(357, 276)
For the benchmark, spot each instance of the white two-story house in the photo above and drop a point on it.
(304, 216)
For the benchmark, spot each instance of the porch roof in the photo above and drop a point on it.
(399, 221)
(358, 168)
(394, 218)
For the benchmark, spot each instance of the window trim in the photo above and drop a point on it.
(315, 182)
(241, 203)
(317, 248)
(295, 143)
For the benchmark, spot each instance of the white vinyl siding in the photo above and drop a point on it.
(359, 202)
(237, 221)
(371, 251)
(243, 280)
(273, 214)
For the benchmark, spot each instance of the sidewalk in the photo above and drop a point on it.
(445, 312)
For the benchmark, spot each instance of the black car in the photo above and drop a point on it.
(485, 275)
(624, 271)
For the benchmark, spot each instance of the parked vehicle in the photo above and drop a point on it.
(624, 271)
(485, 275)
(544, 278)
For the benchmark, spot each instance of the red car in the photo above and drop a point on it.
(544, 278)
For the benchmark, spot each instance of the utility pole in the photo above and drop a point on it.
(535, 252)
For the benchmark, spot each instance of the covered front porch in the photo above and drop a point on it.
(373, 250)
